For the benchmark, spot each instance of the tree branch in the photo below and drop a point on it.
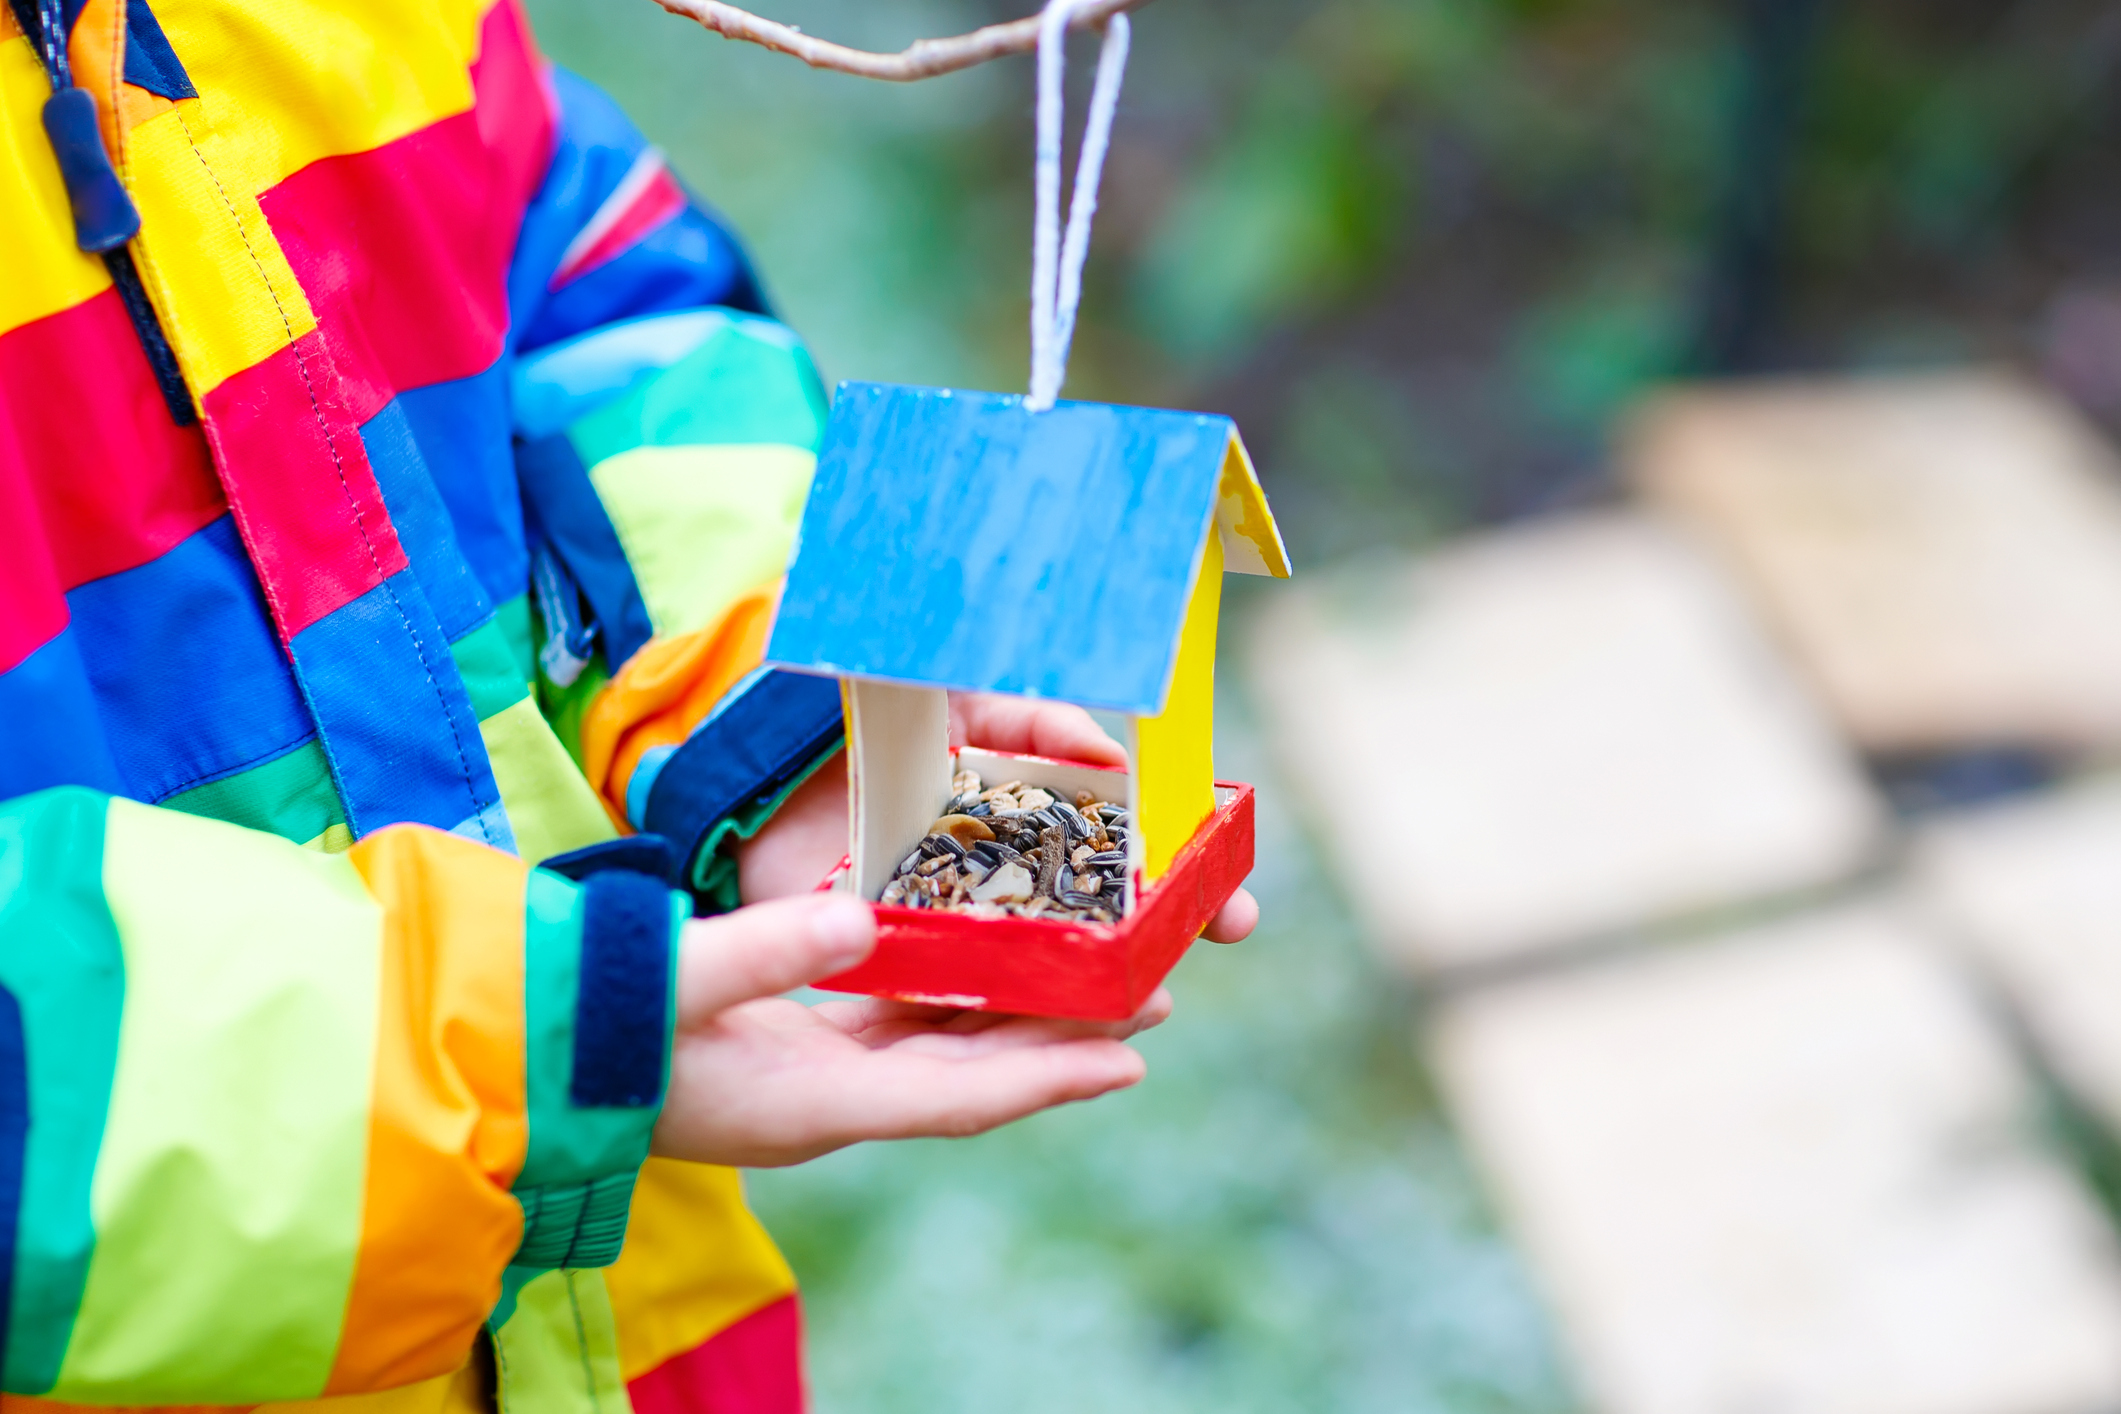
(924, 59)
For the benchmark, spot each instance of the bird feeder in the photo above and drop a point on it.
(955, 540)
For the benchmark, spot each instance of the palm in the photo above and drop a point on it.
(774, 1082)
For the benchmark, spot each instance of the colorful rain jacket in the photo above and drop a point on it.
(395, 468)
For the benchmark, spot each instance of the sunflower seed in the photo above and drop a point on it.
(961, 828)
(1052, 845)
(1008, 884)
(1018, 849)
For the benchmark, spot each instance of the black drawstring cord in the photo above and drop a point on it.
(54, 46)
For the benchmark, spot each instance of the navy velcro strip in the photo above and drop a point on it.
(561, 504)
(622, 1011)
(643, 854)
(14, 1138)
(748, 753)
(150, 62)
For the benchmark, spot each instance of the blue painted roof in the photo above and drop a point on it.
(954, 539)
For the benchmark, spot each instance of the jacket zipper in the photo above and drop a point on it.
(105, 218)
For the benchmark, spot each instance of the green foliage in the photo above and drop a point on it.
(1584, 353)
(1926, 141)
(1372, 468)
(1284, 168)
(1298, 209)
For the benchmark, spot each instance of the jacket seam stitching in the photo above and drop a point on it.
(117, 77)
(581, 1345)
(419, 648)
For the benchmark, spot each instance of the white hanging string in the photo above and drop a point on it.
(1057, 266)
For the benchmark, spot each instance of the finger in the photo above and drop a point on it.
(999, 1030)
(876, 1022)
(1037, 728)
(907, 1097)
(857, 1016)
(957, 1041)
(1235, 922)
(1069, 732)
(768, 949)
(1154, 1012)
(800, 845)
(898, 1030)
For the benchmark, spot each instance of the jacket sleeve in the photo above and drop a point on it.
(275, 1121)
(666, 432)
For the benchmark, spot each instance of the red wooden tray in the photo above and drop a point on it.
(1039, 967)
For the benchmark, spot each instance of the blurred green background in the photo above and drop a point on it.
(1423, 251)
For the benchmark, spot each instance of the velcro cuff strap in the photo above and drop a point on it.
(622, 1011)
(641, 854)
(744, 755)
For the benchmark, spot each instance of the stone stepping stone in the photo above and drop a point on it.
(1941, 554)
(1788, 1170)
(1547, 734)
(2032, 891)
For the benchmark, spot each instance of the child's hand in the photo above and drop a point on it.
(803, 842)
(760, 1081)
(808, 834)
(1029, 727)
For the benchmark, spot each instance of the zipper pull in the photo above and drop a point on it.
(104, 215)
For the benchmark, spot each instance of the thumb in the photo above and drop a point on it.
(767, 949)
